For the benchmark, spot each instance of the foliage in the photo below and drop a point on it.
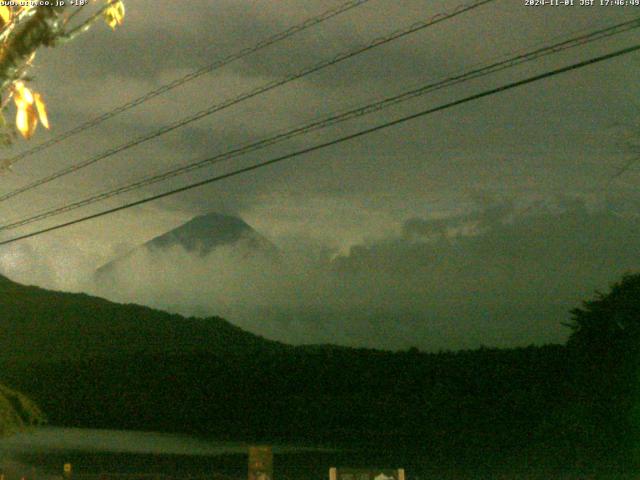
(605, 353)
(17, 412)
(610, 321)
(23, 30)
(449, 407)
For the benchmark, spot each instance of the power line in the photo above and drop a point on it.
(345, 138)
(622, 170)
(338, 118)
(630, 162)
(283, 35)
(247, 95)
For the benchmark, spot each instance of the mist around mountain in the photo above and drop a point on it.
(502, 275)
(199, 236)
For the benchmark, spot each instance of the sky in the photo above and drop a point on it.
(483, 224)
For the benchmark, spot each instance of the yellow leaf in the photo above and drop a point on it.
(42, 110)
(22, 95)
(26, 121)
(26, 114)
(114, 14)
(5, 14)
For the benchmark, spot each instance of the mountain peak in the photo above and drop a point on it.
(205, 232)
(200, 236)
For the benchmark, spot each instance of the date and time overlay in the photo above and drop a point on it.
(527, 3)
(582, 3)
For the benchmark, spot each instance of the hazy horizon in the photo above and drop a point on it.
(506, 275)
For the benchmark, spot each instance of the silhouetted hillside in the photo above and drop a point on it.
(526, 406)
(38, 325)
(459, 404)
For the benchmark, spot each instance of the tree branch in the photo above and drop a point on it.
(42, 28)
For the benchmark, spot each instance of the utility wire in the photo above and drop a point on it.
(477, 96)
(308, 23)
(622, 170)
(338, 118)
(247, 95)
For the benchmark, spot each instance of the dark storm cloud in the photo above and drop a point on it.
(145, 50)
(156, 39)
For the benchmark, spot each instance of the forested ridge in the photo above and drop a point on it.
(553, 405)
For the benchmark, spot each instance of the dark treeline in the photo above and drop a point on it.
(555, 406)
